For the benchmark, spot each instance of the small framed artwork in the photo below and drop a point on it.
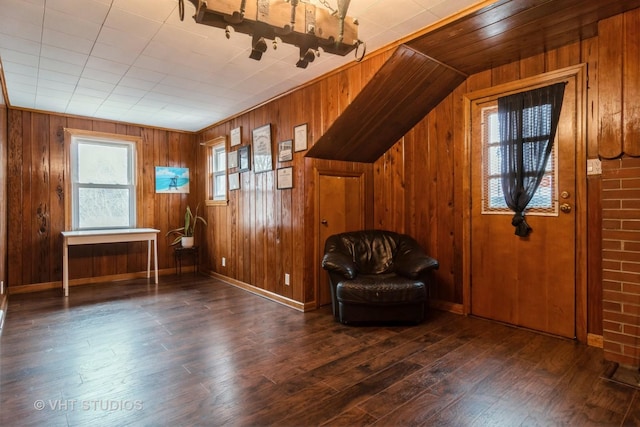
(300, 137)
(232, 159)
(172, 180)
(236, 136)
(285, 152)
(262, 160)
(285, 178)
(244, 160)
(234, 181)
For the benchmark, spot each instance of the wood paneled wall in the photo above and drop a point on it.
(36, 165)
(264, 233)
(422, 179)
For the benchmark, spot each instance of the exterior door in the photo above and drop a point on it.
(341, 209)
(528, 282)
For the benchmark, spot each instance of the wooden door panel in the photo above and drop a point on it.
(530, 281)
(341, 209)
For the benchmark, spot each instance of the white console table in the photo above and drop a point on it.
(88, 237)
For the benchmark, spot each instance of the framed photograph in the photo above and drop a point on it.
(262, 160)
(300, 137)
(236, 136)
(244, 160)
(172, 180)
(285, 178)
(232, 159)
(285, 152)
(234, 181)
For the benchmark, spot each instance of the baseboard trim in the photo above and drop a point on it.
(451, 307)
(44, 286)
(296, 305)
(595, 340)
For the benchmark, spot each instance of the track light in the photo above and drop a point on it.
(259, 47)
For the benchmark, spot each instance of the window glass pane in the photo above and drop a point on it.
(103, 207)
(495, 160)
(220, 186)
(496, 196)
(103, 164)
(221, 160)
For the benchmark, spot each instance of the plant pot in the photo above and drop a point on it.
(187, 242)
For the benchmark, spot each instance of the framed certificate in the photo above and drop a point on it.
(300, 137)
(262, 160)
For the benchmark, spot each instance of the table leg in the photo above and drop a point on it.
(148, 258)
(155, 255)
(65, 268)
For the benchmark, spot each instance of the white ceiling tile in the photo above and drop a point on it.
(60, 66)
(71, 24)
(115, 53)
(159, 12)
(69, 56)
(13, 56)
(89, 10)
(67, 41)
(134, 25)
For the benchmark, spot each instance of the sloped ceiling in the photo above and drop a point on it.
(439, 60)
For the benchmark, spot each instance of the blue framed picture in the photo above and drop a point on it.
(172, 180)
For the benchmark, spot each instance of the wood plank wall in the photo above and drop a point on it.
(264, 233)
(421, 176)
(36, 165)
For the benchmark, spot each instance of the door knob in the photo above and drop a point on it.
(324, 222)
(565, 207)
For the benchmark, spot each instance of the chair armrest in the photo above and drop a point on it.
(411, 260)
(340, 263)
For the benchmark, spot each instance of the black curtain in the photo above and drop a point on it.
(528, 123)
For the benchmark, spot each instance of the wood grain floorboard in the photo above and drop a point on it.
(194, 351)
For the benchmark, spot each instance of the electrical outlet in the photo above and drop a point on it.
(286, 279)
(594, 167)
(224, 261)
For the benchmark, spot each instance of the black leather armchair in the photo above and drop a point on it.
(377, 276)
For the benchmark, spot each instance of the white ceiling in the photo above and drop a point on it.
(135, 61)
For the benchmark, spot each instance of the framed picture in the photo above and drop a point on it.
(285, 178)
(300, 137)
(232, 159)
(262, 160)
(234, 181)
(236, 136)
(172, 180)
(285, 152)
(244, 160)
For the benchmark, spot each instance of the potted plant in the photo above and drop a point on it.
(184, 235)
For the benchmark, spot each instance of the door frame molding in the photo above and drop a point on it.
(579, 73)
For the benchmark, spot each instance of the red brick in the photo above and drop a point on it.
(612, 244)
(621, 276)
(611, 306)
(620, 214)
(630, 163)
(631, 350)
(626, 204)
(612, 285)
(612, 184)
(631, 330)
(622, 359)
(630, 183)
(630, 267)
(612, 224)
(630, 247)
(613, 316)
(610, 346)
(629, 236)
(612, 265)
(627, 340)
(611, 204)
(631, 225)
(621, 256)
(630, 288)
(612, 326)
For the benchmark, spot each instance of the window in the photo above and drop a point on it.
(216, 171)
(103, 184)
(543, 201)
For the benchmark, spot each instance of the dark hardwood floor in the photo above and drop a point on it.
(196, 351)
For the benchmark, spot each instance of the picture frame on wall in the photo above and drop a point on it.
(285, 151)
(300, 137)
(232, 159)
(262, 160)
(285, 178)
(244, 158)
(234, 181)
(236, 136)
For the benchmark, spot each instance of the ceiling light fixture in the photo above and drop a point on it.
(295, 22)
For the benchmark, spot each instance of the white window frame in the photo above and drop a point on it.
(216, 149)
(73, 138)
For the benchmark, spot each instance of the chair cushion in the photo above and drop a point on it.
(381, 289)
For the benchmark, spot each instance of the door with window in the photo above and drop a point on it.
(525, 281)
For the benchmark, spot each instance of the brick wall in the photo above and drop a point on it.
(621, 260)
